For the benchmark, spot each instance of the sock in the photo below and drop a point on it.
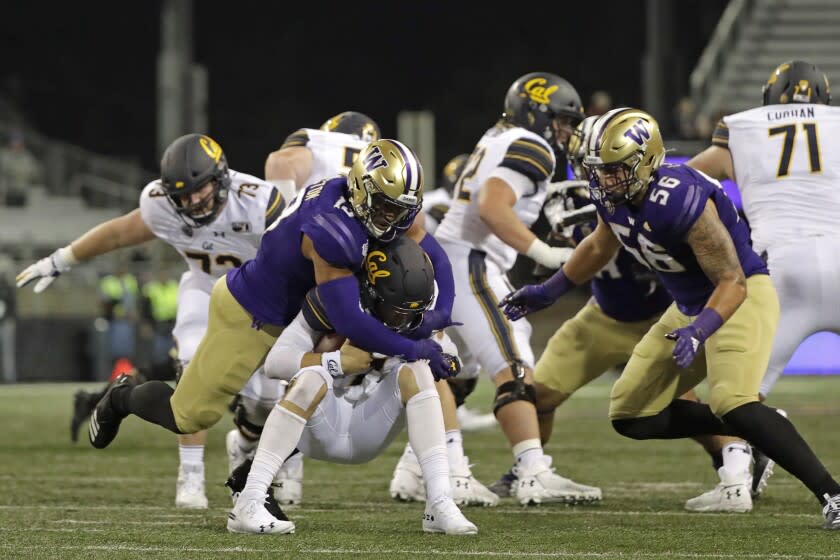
(424, 420)
(527, 452)
(455, 447)
(191, 455)
(149, 401)
(280, 436)
(737, 457)
(717, 459)
(777, 438)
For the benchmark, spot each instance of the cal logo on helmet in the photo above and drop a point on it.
(536, 90)
(211, 148)
(374, 259)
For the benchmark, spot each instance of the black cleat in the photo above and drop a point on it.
(105, 421)
(762, 470)
(503, 487)
(83, 405)
(831, 512)
(236, 484)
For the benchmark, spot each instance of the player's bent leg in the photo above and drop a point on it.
(280, 436)
(424, 420)
(547, 401)
(189, 488)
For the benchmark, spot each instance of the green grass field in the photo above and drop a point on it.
(61, 500)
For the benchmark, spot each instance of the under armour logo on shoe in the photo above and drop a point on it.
(729, 493)
(264, 527)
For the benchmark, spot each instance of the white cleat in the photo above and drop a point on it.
(407, 481)
(731, 495)
(251, 516)
(288, 483)
(472, 421)
(538, 483)
(189, 490)
(236, 455)
(466, 490)
(443, 516)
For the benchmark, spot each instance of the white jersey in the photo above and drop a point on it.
(520, 158)
(436, 204)
(787, 166)
(333, 153)
(231, 239)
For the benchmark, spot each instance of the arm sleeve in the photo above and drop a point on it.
(283, 360)
(341, 300)
(443, 274)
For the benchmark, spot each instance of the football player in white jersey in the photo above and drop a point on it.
(214, 217)
(783, 159)
(309, 155)
(497, 198)
(332, 413)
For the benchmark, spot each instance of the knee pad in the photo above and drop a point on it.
(462, 389)
(249, 429)
(516, 390)
(637, 428)
(306, 390)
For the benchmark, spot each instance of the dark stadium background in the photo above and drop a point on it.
(84, 72)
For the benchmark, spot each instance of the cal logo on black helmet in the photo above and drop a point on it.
(537, 98)
(796, 81)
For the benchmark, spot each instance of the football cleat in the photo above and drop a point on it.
(472, 421)
(287, 486)
(236, 455)
(83, 405)
(503, 487)
(443, 516)
(762, 468)
(538, 483)
(407, 481)
(105, 422)
(831, 512)
(236, 484)
(731, 495)
(252, 516)
(189, 490)
(466, 490)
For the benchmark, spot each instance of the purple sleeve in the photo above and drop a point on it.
(443, 275)
(341, 301)
(338, 241)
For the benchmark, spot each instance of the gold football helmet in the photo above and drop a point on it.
(624, 150)
(386, 188)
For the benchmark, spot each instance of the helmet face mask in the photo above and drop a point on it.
(577, 146)
(625, 149)
(352, 122)
(192, 164)
(545, 104)
(386, 188)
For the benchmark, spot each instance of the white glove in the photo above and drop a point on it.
(47, 269)
(563, 186)
(549, 257)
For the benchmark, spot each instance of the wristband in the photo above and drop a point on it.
(540, 251)
(331, 361)
(286, 187)
(67, 256)
(706, 323)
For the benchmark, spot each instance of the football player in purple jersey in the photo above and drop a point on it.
(680, 223)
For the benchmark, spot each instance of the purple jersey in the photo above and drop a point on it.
(272, 285)
(625, 291)
(655, 233)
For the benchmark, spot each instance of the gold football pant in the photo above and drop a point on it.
(230, 351)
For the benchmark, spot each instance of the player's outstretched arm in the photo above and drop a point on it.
(441, 316)
(714, 161)
(125, 231)
(288, 168)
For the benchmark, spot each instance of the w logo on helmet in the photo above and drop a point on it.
(536, 90)
(638, 133)
(374, 159)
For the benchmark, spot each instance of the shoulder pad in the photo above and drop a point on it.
(531, 157)
(720, 137)
(337, 236)
(685, 201)
(297, 138)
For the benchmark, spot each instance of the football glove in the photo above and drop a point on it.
(47, 269)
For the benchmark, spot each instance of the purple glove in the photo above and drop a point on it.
(433, 320)
(534, 297)
(441, 364)
(691, 338)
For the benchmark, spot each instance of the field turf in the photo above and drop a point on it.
(61, 500)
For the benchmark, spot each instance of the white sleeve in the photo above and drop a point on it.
(283, 360)
(520, 184)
